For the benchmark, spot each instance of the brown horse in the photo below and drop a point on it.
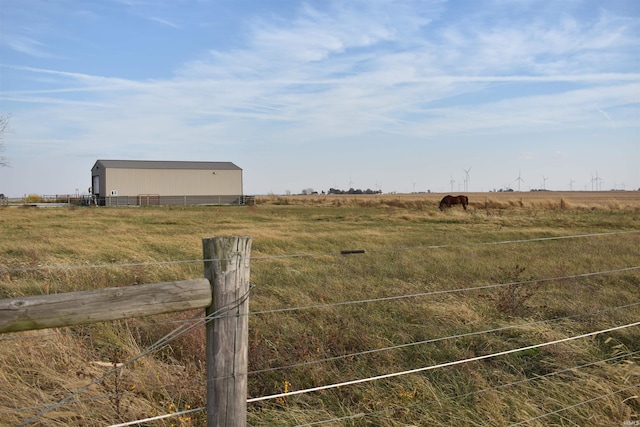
(447, 201)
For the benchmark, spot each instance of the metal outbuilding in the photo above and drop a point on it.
(147, 182)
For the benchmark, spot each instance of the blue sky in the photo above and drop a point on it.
(400, 96)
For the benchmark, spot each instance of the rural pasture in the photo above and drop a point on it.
(492, 313)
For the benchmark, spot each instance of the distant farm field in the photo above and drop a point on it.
(521, 310)
(628, 200)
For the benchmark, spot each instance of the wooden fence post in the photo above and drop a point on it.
(226, 265)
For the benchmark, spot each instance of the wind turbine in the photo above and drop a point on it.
(544, 181)
(466, 180)
(519, 180)
(598, 182)
(571, 184)
(453, 181)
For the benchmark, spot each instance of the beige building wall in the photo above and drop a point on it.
(171, 182)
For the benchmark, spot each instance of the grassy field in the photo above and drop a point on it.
(408, 302)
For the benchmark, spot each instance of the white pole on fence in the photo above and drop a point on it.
(227, 266)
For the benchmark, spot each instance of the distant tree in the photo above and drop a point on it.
(353, 191)
(4, 128)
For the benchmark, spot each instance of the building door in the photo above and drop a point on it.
(96, 185)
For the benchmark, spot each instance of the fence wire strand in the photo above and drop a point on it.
(485, 390)
(391, 298)
(177, 332)
(584, 402)
(446, 291)
(361, 415)
(434, 340)
(190, 324)
(441, 365)
(5, 269)
(430, 341)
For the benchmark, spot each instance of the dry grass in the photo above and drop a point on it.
(411, 248)
(623, 200)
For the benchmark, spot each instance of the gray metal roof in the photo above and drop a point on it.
(162, 164)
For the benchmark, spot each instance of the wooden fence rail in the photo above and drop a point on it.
(223, 290)
(100, 305)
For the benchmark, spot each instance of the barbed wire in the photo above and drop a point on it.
(374, 378)
(170, 337)
(422, 247)
(313, 255)
(464, 335)
(174, 334)
(183, 329)
(389, 298)
(538, 377)
(361, 415)
(409, 296)
(442, 365)
(584, 402)
(446, 291)
(434, 340)
(485, 390)
(396, 297)
(282, 395)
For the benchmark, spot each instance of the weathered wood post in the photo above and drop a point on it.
(226, 265)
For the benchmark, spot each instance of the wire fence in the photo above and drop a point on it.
(185, 326)
(59, 200)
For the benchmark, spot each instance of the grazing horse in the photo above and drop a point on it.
(447, 201)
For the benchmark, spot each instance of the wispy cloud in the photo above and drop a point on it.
(407, 70)
(164, 22)
(26, 45)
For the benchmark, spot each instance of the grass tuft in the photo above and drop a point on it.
(411, 249)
